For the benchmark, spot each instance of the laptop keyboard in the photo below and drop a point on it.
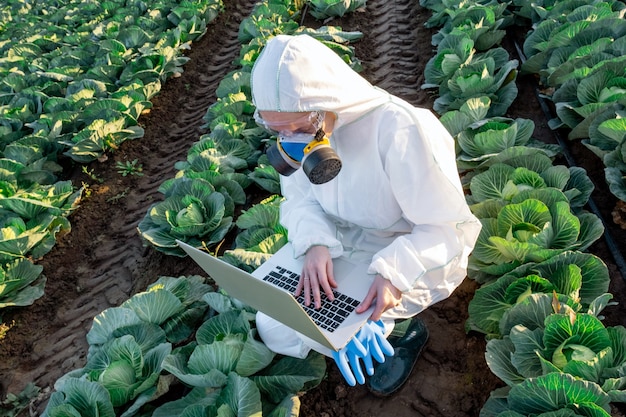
(330, 315)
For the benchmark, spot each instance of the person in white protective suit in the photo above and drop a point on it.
(364, 173)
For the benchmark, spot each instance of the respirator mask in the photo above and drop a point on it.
(302, 142)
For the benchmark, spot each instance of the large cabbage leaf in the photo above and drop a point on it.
(260, 236)
(556, 394)
(21, 283)
(125, 369)
(79, 397)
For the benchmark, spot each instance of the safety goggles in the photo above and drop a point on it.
(292, 123)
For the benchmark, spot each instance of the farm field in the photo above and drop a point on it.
(103, 261)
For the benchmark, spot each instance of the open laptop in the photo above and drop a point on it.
(270, 289)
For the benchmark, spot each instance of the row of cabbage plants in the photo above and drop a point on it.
(541, 295)
(226, 169)
(180, 348)
(577, 49)
(74, 78)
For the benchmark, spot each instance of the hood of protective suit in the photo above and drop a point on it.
(300, 73)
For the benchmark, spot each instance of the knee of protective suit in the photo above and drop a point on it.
(280, 338)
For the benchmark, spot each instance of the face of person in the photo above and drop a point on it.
(289, 123)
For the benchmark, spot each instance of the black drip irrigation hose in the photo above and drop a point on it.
(617, 255)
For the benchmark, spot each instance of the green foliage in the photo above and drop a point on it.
(85, 87)
(461, 73)
(21, 283)
(323, 9)
(555, 394)
(580, 276)
(14, 404)
(227, 367)
(542, 296)
(573, 343)
(266, 176)
(578, 50)
(127, 347)
(260, 236)
(129, 168)
(75, 77)
(484, 24)
(269, 19)
(535, 226)
(478, 138)
(193, 212)
(514, 172)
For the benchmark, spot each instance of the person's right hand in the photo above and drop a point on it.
(317, 273)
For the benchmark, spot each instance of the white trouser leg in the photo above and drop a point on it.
(280, 338)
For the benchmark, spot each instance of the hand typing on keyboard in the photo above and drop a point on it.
(330, 314)
(317, 277)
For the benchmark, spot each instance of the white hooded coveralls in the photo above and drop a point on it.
(397, 201)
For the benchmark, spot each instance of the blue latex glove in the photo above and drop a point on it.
(368, 343)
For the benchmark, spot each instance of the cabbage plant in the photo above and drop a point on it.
(26, 160)
(577, 100)
(127, 347)
(461, 73)
(478, 138)
(572, 38)
(484, 24)
(79, 397)
(193, 211)
(530, 169)
(269, 18)
(226, 156)
(607, 139)
(32, 217)
(575, 344)
(261, 235)
(580, 276)
(323, 9)
(230, 371)
(265, 176)
(536, 225)
(615, 171)
(32, 238)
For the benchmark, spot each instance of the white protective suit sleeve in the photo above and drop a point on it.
(309, 225)
(431, 260)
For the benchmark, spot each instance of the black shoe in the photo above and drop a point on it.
(390, 375)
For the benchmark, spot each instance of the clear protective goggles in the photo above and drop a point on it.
(293, 123)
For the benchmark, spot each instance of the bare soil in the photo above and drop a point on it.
(103, 261)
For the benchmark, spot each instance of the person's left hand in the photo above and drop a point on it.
(384, 293)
